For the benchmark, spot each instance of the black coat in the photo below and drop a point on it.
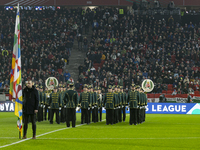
(30, 100)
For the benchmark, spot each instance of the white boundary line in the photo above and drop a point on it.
(8, 137)
(40, 135)
(169, 138)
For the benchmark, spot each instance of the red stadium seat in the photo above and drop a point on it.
(60, 71)
(170, 86)
(169, 92)
(164, 92)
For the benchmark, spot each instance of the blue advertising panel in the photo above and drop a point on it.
(7, 106)
(169, 108)
(173, 108)
(152, 108)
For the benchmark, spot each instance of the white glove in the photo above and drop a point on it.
(41, 105)
(59, 108)
(122, 106)
(65, 106)
(88, 108)
(92, 107)
(49, 107)
(44, 106)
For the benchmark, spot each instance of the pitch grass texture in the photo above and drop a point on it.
(160, 131)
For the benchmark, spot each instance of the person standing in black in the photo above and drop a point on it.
(30, 107)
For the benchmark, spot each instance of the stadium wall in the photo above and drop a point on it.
(95, 2)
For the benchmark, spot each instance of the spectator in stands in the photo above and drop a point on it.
(1, 84)
(185, 90)
(80, 40)
(174, 92)
(186, 80)
(85, 44)
(6, 89)
(77, 85)
(67, 75)
(159, 80)
(190, 91)
(179, 91)
(62, 78)
(159, 89)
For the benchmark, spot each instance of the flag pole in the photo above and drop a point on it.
(20, 131)
(20, 135)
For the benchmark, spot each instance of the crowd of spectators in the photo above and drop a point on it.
(47, 38)
(131, 48)
(124, 48)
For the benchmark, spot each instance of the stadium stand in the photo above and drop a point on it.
(123, 49)
(47, 38)
(135, 47)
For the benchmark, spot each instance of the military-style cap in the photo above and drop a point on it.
(110, 86)
(133, 85)
(89, 86)
(64, 86)
(137, 86)
(118, 86)
(71, 83)
(36, 86)
(121, 87)
(113, 86)
(85, 86)
(41, 87)
(60, 85)
(99, 88)
(55, 87)
(96, 88)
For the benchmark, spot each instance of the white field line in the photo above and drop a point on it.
(39, 135)
(167, 138)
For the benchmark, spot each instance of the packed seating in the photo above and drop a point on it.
(129, 48)
(47, 39)
(124, 48)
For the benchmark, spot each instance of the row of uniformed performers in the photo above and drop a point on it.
(64, 103)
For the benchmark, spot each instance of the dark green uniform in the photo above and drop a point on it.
(94, 108)
(91, 105)
(120, 106)
(109, 103)
(46, 103)
(144, 107)
(116, 107)
(84, 102)
(63, 109)
(141, 107)
(133, 100)
(41, 104)
(100, 105)
(55, 103)
(71, 100)
(124, 104)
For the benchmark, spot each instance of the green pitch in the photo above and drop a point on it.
(158, 132)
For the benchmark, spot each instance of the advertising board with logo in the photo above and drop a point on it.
(152, 108)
